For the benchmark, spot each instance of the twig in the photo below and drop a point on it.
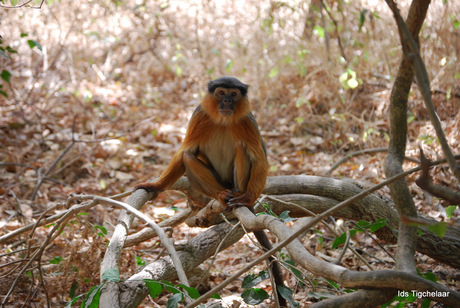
(164, 239)
(425, 183)
(218, 249)
(326, 34)
(338, 260)
(74, 139)
(336, 26)
(60, 224)
(353, 250)
(365, 151)
(78, 207)
(40, 177)
(18, 6)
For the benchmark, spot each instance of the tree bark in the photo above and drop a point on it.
(398, 137)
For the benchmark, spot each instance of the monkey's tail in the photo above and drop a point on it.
(276, 268)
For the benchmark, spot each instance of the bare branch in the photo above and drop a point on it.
(411, 51)
(425, 183)
(164, 239)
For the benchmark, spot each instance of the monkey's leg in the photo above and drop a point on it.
(242, 168)
(204, 178)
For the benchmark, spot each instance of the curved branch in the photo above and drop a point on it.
(164, 239)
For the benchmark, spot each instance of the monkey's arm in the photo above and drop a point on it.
(176, 167)
(170, 176)
(249, 155)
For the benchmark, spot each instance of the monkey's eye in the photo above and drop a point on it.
(233, 94)
(221, 93)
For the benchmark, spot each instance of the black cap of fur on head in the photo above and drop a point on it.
(228, 82)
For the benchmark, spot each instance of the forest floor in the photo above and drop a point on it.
(115, 103)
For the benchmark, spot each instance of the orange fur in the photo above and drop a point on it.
(222, 155)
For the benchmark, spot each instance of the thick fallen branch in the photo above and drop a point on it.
(335, 272)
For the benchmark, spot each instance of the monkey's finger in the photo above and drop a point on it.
(239, 201)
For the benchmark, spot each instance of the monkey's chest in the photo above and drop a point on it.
(219, 149)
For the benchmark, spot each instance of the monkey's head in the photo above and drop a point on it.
(230, 96)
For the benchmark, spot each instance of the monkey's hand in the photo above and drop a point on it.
(243, 200)
(225, 196)
(235, 198)
(150, 187)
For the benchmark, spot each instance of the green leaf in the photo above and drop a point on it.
(378, 225)
(73, 301)
(284, 216)
(363, 224)
(274, 72)
(252, 280)
(228, 65)
(191, 291)
(111, 274)
(343, 77)
(419, 232)
(174, 300)
(439, 228)
(294, 270)
(178, 70)
(428, 276)
(286, 293)
(155, 288)
(92, 301)
(33, 43)
(24, 34)
(318, 31)
(6, 75)
(56, 260)
(103, 229)
(11, 50)
(73, 289)
(170, 287)
(450, 210)
(426, 303)
(340, 240)
(410, 118)
(362, 18)
(352, 83)
(139, 261)
(210, 71)
(333, 283)
(254, 296)
(427, 139)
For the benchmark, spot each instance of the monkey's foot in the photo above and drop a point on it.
(149, 187)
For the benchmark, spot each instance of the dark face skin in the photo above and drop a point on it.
(227, 98)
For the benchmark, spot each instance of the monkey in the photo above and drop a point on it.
(223, 154)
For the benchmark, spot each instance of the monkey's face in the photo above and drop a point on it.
(227, 98)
